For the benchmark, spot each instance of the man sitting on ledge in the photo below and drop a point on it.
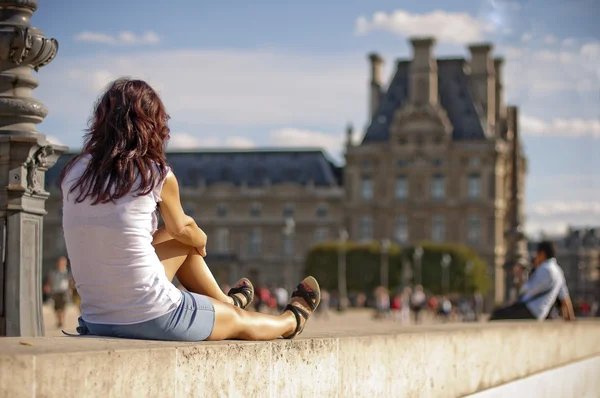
(538, 295)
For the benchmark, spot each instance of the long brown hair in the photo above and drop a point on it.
(125, 139)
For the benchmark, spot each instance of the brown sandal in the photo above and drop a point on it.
(310, 292)
(245, 288)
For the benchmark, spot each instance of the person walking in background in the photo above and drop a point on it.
(281, 295)
(478, 305)
(405, 306)
(397, 306)
(59, 282)
(417, 302)
(382, 302)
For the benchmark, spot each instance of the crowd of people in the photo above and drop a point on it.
(406, 305)
(416, 302)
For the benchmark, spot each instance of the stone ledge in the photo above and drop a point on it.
(435, 361)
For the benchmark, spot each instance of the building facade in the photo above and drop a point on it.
(435, 161)
(434, 165)
(262, 210)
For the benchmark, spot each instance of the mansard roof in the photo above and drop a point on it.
(454, 95)
(252, 167)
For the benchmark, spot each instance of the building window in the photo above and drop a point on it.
(222, 244)
(288, 210)
(366, 164)
(438, 187)
(401, 229)
(365, 228)
(254, 242)
(474, 186)
(222, 209)
(473, 230)
(401, 140)
(401, 163)
(321, 235)
(366, 188)
(401, 187)
(322, 210)
(438, 229)
(255, 209)
(474, 162)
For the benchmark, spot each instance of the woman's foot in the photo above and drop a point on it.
(242, 293)
(304, 302)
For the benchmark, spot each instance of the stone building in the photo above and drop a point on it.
(434, 165)
(262, 210)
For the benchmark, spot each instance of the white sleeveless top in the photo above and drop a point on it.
(116, 270)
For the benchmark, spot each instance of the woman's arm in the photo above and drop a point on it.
(178, 224)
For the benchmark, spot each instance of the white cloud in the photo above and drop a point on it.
(447, 27)
(239, 142)
(121, 39)
(181, 141)
(555, 216)
(550, 39)
(526, 37)
(591, 50)
(293, 137)
(568, 42)
(560, 127)
(565, 208)
(235, 88)
(542, 72)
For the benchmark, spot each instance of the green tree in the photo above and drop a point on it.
(363, 265)
(467, 271)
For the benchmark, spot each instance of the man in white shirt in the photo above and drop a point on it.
(540, 292)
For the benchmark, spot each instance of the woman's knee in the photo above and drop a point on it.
(230, 321)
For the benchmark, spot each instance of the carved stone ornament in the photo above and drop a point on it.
(39, 160)
(29, 46)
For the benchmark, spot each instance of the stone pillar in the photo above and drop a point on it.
(516, 251)
(25, 155)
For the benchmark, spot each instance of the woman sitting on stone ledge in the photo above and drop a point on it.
(123, 265)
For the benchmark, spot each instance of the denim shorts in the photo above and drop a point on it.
(192, 320)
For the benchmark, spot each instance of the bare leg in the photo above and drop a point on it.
(60, 318)
(188, 265)
(234, 323)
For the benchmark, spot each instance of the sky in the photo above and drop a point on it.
(281, 73)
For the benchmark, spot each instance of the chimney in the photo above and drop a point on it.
(483, 82)
(499, 101)
(376, 83)
(423, 73)
(349, 134)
